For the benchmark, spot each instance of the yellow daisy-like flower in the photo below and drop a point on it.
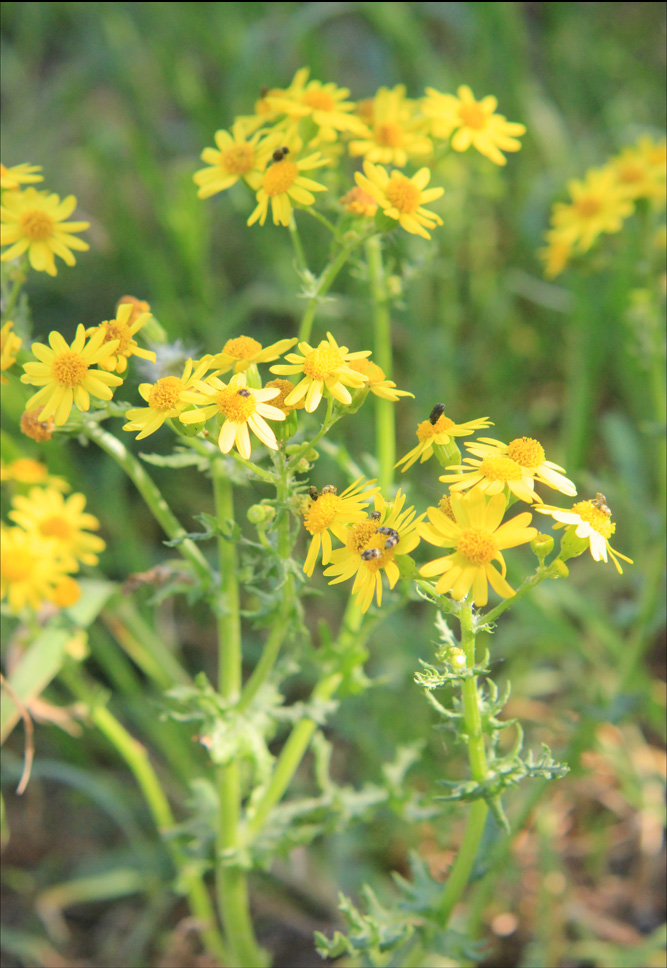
(529, 454)
(491, 476)
(10, 344)
(599, 204)
(34, 221)
(330, 511)
(164, 398)
(244, 351)
(29, 571)
(371, 545)
(13, 178)
(377, 382)
(401, 197)
(359, 202)
(122, 330)
(62, 523)
(475, 123)
(640, 169)
(25, 470)
(325, 367)
(591, 521)
(479, 538)
(556, 253)
(237, 156)
(283, 183)
(66, 375)
(395, 132)
(325, 104)
(439, 431)
(241, 406)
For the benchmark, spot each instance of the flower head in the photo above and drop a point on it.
(237, 156)
(36, 429)
(29, 570)
(439, 432)
(325, 104)
(282, 184)
(359, 202)
(241, 407)
(395, 132)
(325, 367)
(164, 398)
(67, 375)
(474, 123)
(243, 351)
(34, 221)
(599, 204)
(13, 178)
(591, 522)
(332, 512)
(10, 344)
(377, 382)
(284, 388)
(122, 330)
(25, 470)
(478, 539)
(529, 454)
(60, 522)
(640, 169)
(371, 546)
(402, 198)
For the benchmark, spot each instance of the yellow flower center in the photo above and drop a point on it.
(238, 159)
(389, 135)
(37, 225)
(164, 394)
(526, 451)
(56, 527)
(69, 369)
(402, 194)
(473, 116)
(285, 388)
(501, 469)
(322, 512)
(477, 545)
(280, 176)
(598, 519)
(236, 403)
(120, 331)
(19, 565)
(630, 172)
(360, 535)
(426, 429)
(322, 363)
(242, 348)
(588, 206)
(319, 101)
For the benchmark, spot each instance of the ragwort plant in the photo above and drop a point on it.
(258, 416)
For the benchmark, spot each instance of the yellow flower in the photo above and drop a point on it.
(439, 432)
(35, 221)
(377, 382)
(283, 181)
(491, 476)
(325, 104)
(36, 429)
(29, 572)
(330, 511)
(240, 405)
(164, 399)
(62, 523)
(598, 205)
(237, 156)
(24, 470)
(371, 545)
(395, 132)
(591, 521)
(474, 122)
(529, 454)
(478, 538)
(402, 198)
(13, 178)
(556, 253)
(640, 169)
(243, 351)
(10, 344)
(325, 367)
(121, 330)
(66, 376)
(284, 388)
(359, 202)
(139, 307)
(66, 593)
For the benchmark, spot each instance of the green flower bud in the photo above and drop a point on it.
(559, 569)
(261, 514)
(542, 545)
(571, 546)
(253, 379)
(455, 657)
(447, 454)
(302, 466)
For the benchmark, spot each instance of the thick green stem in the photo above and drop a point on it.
(231, 881)
(136, 759)
(152, 496)
(384, 409)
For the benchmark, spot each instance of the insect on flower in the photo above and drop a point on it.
(436, 413)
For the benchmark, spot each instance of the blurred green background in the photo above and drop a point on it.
(116, 102)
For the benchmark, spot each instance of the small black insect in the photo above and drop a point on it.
(436, 413)
(329, 489)
(280, 153)
(370, 553)
(375, 515)
(243, 392)
(313, 493)
(393, 537)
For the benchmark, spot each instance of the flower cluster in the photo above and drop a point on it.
(600, 203)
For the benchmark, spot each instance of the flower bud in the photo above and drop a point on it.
(455, 657)
(302, 466)
(261, 514)
(571, 545)
(447, 454)
(542, 545)
(559, 569)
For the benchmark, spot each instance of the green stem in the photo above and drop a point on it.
(327, 424)
(484, 622)
(232, 886)
(15, 293)
(299, 254)
(384, 409)
(322, 286)
(152, 496)
(137, 761)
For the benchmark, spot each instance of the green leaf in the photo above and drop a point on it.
(39, 664)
